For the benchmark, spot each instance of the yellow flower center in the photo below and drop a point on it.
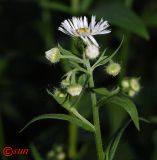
(83, 30)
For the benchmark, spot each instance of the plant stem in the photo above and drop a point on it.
(98, 138)
(73, 133)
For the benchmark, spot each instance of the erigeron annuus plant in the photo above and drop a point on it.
(73, 86)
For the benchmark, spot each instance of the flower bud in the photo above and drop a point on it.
(74, 90)
(65, 83)
(53, 55)
(113, 69)
(92, 51)
(134, 83)
(59, 93)
(125, 84)
(131, 93)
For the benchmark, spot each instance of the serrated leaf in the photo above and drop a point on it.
(127, 105)
(121, 16)
(64, 117)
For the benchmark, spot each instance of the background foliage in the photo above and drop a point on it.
(28, 28)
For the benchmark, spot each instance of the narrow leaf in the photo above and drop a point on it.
(113, 144)
(60, 117)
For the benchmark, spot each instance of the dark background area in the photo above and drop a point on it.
(26, 32)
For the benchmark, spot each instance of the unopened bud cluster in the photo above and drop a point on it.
(131, 86)
(68, 88)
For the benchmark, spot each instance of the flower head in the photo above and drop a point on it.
(53, 55)
(74, 90)
(79, 27)
(92, 51)
(113, 69)
(131, 86)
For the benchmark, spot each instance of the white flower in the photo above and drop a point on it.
(74, 90)
(92, 51)
(53, 55)
(79, 27)
(113, 69)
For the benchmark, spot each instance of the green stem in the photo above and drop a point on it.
(95, 109)
(73, 134)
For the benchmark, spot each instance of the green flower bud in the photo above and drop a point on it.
(53, 55)
(59, 93)
(131, 93)
(134, 83)
(113, 69)
(125, 84)
(65, 83)
(74, 90)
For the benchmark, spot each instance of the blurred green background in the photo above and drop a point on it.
(28, 28)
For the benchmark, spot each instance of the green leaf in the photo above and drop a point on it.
(35, 153)
(121, 16)
(113, 144)
(127, 105)
(65, 117)
(102, 91)
(69, 55)
(106, 60)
